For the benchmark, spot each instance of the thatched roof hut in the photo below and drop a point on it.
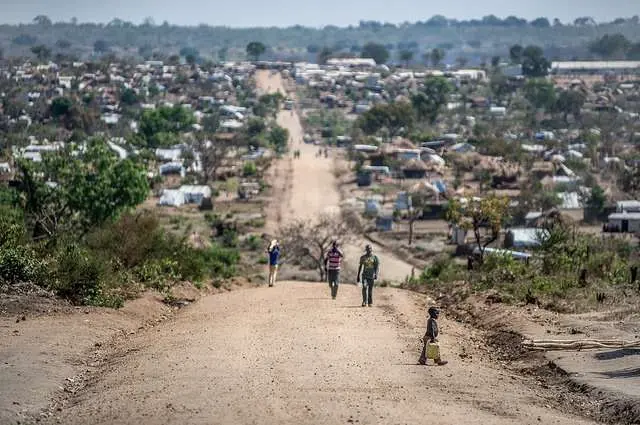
(415, 165)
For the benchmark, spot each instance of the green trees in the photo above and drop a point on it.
(534, 63)
(128, 97)
(159, 127)
(77, 191)
(100, 46)
(540, 93)
(611, 46)
(324, 55)
(375, 51)
(483, 217)
(406, 56)
(42, 52)
(430, 99)
(570, 102)
(515, 54)
(278, 138)
(436, 56)
(255, 49)
(392, 117)
(597, 200)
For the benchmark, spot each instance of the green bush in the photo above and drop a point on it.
(158, 274)
(132, 240)
(20, 263)
(78, 273)
(253, 242)
(230, 237)
(249, 169)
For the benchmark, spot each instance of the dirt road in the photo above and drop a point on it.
(312, 188)
(291, 355)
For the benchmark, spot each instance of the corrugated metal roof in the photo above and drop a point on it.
(578, 65)
(624, 216)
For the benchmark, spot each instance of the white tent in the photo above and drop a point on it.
(172, 198)
(195, 194)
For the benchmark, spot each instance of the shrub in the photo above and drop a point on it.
(158, 274)
(78, 273)
(249, 169)
(253, 242)
(131, 240)
(21, 264)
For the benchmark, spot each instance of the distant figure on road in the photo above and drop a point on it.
(332, 262)
(274, 256)
(368, 270)
(431, 348)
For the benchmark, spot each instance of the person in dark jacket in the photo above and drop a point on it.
(274, 256)
(431, 338)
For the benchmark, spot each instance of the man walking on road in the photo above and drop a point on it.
(332, 265)
(368, 270)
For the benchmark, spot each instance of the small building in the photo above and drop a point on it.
(630, 206)
(624, 222)
(414, 169)
(524, 238)
(364, 178)
(195, 194)
(384, 224)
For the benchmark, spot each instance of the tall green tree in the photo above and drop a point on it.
(430, 99)
(324, 55)
(436, 56)
(405, 56)
(534, 63)
(393, 117)
(540, 93)
(515, 54)
(279, 138)
(157, 126)
(255, 49)
(611, 46)
(78, 190)
(570, 102)
(377, 52)
(42, 52)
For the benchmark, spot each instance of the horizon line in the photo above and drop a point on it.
(150, 21)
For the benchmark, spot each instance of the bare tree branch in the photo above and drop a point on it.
(311, 240)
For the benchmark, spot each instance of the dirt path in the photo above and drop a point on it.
(312, 187)
(291, 355)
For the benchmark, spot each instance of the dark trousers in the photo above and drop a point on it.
(367, 291)
(334, 281)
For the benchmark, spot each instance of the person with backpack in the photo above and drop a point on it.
(368, 270)
(274, 257)
(332, 262)
(431, 348)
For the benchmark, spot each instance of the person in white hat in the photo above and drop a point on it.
(274, 257)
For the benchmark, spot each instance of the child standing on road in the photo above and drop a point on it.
(431, 348)
(274, 256)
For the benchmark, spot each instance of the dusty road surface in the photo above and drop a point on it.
(291, 355)
(312, 188)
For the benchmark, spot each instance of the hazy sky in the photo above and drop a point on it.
(306, 12)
